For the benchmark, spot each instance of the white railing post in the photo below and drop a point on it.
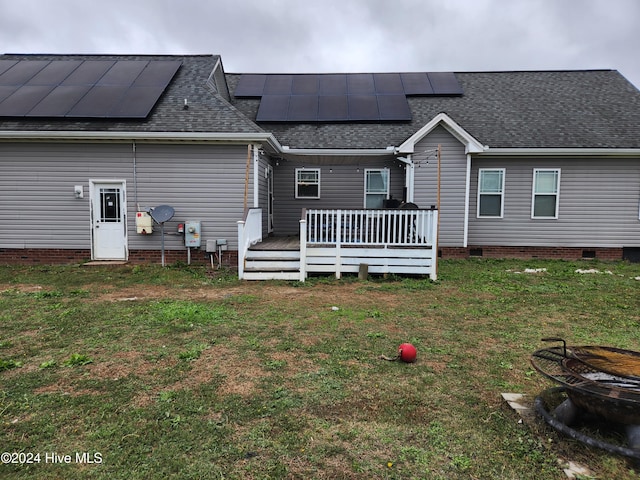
(434, 246)
(338, 240)
(303, 249)
(241, 249)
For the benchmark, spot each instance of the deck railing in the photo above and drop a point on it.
(387, 227)
(249, 233)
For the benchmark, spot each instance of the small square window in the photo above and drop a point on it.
(307, 183)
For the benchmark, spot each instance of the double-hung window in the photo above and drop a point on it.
(376, 187)
(307, 183)
(546, 192)
(491, 192)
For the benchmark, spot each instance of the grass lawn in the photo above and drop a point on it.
(142, 372)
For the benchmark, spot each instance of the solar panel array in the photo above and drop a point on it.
(348, 97)
(83, 88)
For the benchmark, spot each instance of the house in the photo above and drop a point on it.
(500, 164)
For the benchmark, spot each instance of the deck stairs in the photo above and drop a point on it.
(281, 264)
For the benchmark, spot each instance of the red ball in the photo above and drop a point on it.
(407, 353)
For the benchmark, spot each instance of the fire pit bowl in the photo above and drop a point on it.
(604, 381)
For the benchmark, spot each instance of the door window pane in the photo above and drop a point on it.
(110, 205)
(376, 188)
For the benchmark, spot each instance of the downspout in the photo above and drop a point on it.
(135, 176)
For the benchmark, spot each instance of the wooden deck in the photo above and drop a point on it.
(290, 242)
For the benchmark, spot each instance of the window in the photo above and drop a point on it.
(490, 192)
(546, 189)
(376, 187)
(307, 183)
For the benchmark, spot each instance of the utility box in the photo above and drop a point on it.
(144, 223)
(192, 234)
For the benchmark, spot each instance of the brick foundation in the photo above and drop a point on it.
(38, 256)
(560, 253)
(33, 256)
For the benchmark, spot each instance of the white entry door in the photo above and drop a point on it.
(108, 220)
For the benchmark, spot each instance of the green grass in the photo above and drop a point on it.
(180, 373)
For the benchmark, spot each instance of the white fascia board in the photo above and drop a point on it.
(471, 144)
(561, 152)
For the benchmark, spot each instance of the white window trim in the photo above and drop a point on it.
(504, 174)
(303, 169)
(366, 175)
(533, 193)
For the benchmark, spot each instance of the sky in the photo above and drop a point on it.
(335, 36)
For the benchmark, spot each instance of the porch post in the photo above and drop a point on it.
(434, 247)
(338, 242)
(303, 247)
(241, 249)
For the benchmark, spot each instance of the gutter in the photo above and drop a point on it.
(240, 138)
(339, 152)
(560, 152)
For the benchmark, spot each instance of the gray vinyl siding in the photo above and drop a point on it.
(341, 187)
(38, 208)
(598, 204)
(200, 182)
(453, 177)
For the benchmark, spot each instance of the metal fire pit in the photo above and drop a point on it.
(601, 381)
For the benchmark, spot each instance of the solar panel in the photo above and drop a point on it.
(250, 86)
(333, 108)
(273, 108)
(363, 107)
(394, 107)
(332, 84)
(6, 65)
(136, 102)
(6, 91)
(278, 85)
(416, 84)
(89, 72)
(157, 73)
(305, 85)
(342, 97)
(360, 84)
(444, 83)
(60, 99)
(23, 100)
(388, 83)
(98, 102)
(83, 88)
(54, 73)
(22, 72)
(122, 73)
(303, 108)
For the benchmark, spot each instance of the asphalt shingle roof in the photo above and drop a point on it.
(544, 109)
(526, 109)
(207, 112)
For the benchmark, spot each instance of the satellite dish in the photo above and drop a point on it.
(162, 213)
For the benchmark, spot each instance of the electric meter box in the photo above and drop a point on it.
(192, 234)
(144, 223)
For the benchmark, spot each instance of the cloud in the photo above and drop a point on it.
(339, 35)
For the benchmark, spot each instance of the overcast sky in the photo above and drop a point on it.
(340, 35)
